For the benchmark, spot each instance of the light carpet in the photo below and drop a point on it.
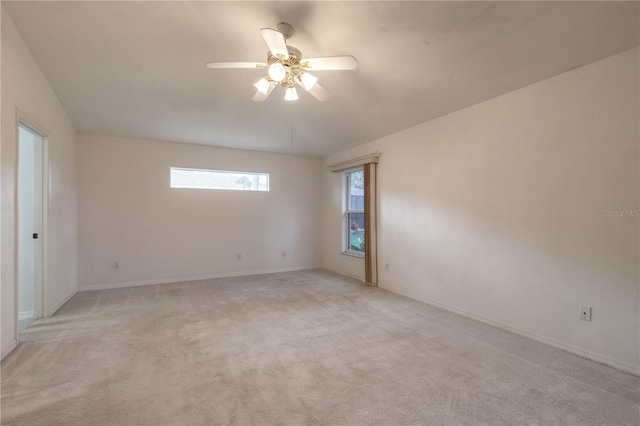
(309, 347)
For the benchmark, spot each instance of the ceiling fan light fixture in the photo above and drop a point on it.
(277, 72)
(286, 67)
(307, 80)
(263, 85)
(291, 94)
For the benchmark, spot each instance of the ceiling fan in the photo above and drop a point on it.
(286, 67)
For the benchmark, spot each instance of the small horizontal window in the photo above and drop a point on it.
(219, 179)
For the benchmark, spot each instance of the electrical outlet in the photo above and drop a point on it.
(116, 264)
(284, 253)
(585, 313)
(238, 256)
(386, 266)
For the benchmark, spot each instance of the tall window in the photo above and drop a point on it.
(359, 211)
(354, 214)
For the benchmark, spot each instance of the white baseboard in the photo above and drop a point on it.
(61, 304)
(108, 286)
(9, 349)
(23, 315)
(593, 356)
(346, 274)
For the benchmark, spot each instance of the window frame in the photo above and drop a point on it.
(346, 193)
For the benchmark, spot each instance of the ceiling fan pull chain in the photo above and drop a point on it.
(291, 122)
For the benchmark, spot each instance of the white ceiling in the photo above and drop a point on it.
(137, 69)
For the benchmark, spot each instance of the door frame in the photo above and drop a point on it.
(41, 294)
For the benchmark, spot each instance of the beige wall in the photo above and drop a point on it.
(24, 87)
(129, 214)
(498, 211)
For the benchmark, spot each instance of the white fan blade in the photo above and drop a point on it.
(319, 92)
(236, 65)
(330, 63)
(316, 91)
(276, 42)
(259, 96)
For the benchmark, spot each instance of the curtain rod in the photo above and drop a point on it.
(364, 159)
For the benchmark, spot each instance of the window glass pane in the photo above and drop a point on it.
(219, 179)
(356, 190)
(356, 231)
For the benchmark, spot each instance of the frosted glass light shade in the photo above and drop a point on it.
(290, 94)
(263, 85)
(277, 71)
(308, 80)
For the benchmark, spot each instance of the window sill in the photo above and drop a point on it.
(358, 255)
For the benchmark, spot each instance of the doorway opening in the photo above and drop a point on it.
(30, 218)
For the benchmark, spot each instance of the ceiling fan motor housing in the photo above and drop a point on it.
(285, 29)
